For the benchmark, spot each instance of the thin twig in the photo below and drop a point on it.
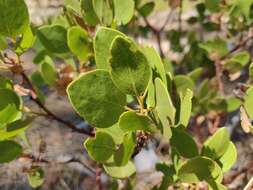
(98, 177)
(218, 72)
(39, 160)
(51, 114)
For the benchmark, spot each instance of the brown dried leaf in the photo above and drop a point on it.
(245, 122)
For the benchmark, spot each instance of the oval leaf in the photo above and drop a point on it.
(14, 17)
(130, 70)
(100, 148)
(96, 99)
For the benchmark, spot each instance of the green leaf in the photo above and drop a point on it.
(233, 104)
(237, 62)
(185, 107)
(196, 74)
(197, 169)
(78, 42)
(48, 71)
(180, 140)
(229, 157)
(251, 70)
(26, 42)
(5, 83)
(182, 83)
(155, 62)
(216, 145)
(10, 150)
(103, 10)
(10, 108)
(53, 38)
(14, 17)
(107, 14)
(125, 150)
(123, 10)
(150, 100)
(131, 122)
(164, 107)
(147, 9)
(36, 177)
(102, 44)
(242, 58)
(115, 132)
(89, 13)
(98, 6)
(74, 5)
(37, 79)
(248, 102)
(3, 43)
(216, 48)
(122, 171)
(100, 148)
(213, 5)
(15, 128)
(101, 103)
(130, 70)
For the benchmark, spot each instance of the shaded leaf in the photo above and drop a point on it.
(53, 38)
(89, 13)
(48, 71)
(125, 150)
(197, 169)
(184, 143)
(146, 9)
(10, 150)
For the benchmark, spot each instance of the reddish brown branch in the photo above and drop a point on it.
(218, 72)
(98, 177)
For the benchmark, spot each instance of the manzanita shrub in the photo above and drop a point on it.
(129, 93)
